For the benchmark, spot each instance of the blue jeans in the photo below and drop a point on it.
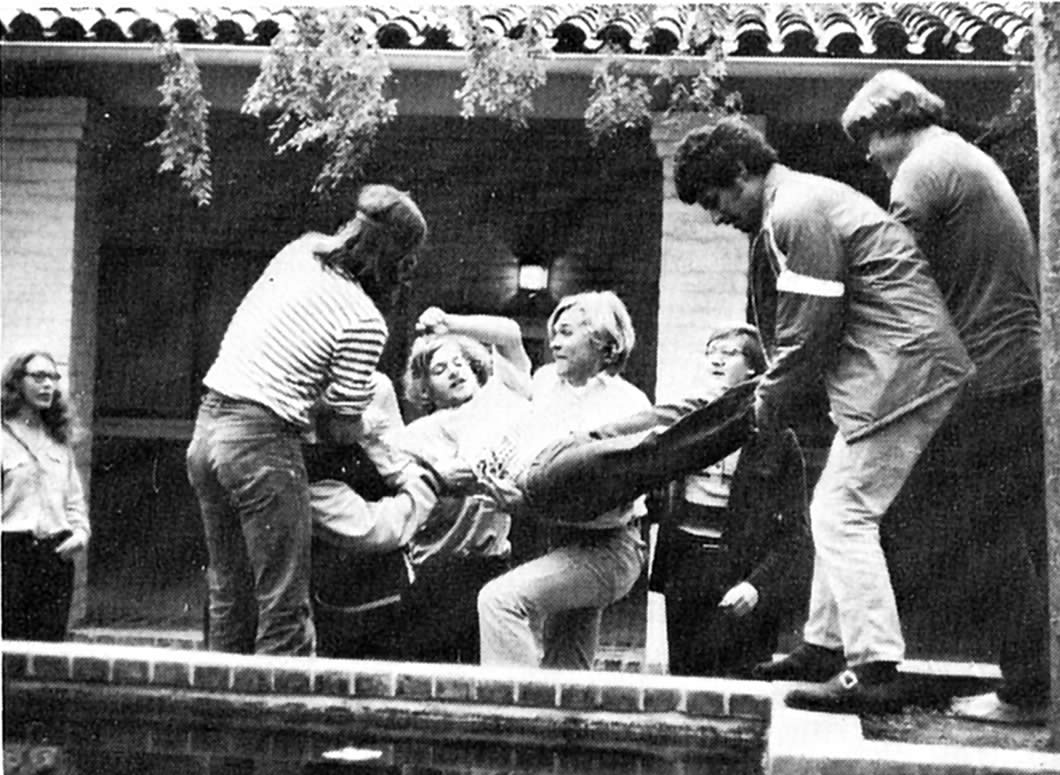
(562, 596)
(246, 467)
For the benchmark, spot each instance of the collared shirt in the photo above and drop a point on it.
(559, 408)
(41, 487)
(303, 333)
(855, 302)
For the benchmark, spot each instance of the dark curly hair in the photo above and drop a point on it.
(891, 102)
(57, 417)
(418, 370)
(713, 156)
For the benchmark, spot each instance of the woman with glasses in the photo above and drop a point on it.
(45, 521)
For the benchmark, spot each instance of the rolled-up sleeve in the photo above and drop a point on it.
(356, 356)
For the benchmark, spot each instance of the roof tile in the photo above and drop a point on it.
(882, 30)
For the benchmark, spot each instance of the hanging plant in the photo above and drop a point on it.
(327, 79)
(703, 92)
(622, 101)
(502, 73)
(618, 100)
(183, 142)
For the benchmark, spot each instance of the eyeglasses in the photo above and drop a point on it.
(724, 352)
(42, 376)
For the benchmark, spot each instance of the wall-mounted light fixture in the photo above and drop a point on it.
(533, 277)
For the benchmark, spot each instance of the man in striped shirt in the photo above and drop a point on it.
(307, 333)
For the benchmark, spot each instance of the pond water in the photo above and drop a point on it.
(49, 737)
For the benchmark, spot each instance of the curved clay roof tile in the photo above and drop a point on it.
(68, 30)
(108, 31)
(264, 31)
(402, 32)
(796, 34)
(229, 32)
(574, 32)
(25, 27)
(664, 36)
(839, 36)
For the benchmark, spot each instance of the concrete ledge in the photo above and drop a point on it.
(609, 658)
(644, 706)
(806, 743)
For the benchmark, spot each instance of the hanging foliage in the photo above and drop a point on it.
(323, 84)
(502, 73)
(618, 101)
(622, 101)
(327, 80)
(703, 92)
(183, 142)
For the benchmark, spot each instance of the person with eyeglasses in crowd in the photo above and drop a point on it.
(734, 549)
(45, 519)
(307, 335)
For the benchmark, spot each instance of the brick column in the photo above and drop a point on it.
(49, 243)
(703, 276)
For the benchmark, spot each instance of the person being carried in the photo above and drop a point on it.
(734, 553)
(470, 374)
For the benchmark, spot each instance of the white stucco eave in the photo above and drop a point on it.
(405, 60)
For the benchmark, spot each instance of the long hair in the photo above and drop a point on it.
(891, 102)
(379, 241)
(56, 418)
(418, 369)
(609, 322)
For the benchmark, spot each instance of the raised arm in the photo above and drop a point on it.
(503, 334)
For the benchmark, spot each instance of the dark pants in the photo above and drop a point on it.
(439, 613)
(38, 587)
(585, 475)
(694, 574)
(968, 531)
(246, 467)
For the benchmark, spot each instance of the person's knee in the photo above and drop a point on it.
(498, 598)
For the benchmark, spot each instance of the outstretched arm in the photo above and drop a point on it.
(344, 518)
(502, 333)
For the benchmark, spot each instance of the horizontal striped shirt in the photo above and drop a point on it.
(303, 333)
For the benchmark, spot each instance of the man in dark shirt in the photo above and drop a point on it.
(975, 505)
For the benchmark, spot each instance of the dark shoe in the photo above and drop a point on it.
(870, 688)
(806, 663)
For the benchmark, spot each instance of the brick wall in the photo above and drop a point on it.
(702, 279)
(48, 247)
